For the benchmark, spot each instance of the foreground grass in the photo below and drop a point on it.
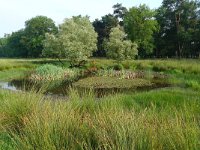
(160, 119)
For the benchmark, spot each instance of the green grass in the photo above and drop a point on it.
(183, 72)
(184, 65)
(8, 75)
(16, 68)
(111, 82)
(160, 119)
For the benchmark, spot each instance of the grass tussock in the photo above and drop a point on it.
(149, 120)
(49, 72)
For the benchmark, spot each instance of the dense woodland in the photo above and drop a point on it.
(172, 30)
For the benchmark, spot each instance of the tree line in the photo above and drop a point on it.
(172, 30)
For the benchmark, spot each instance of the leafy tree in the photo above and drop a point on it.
(35, 30)
(76, 40)
(3, 47)
(196, 42)
(140, 25)
(119, 12)
(13, 45)
(16, 45)
(118, 47)
(103, 27)
(105, 24)
(179, 21)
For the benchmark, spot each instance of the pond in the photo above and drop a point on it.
(101, 86)
(8, 86)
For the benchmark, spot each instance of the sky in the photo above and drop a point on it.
(13, 13)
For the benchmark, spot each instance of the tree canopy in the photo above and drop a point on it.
(179, 28)
(35, 30)
(172, 30)
(76, 40)
(103, 28)
(140, 25)
(118, 47)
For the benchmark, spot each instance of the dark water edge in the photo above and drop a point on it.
(61, 89)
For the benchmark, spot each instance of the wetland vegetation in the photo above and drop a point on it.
(151, 118)
(129, 80)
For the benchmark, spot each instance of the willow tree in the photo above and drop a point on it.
(76, 40)
(118, 47)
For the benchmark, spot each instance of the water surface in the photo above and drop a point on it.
(8, 86)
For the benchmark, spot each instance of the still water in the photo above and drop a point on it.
(8, 86)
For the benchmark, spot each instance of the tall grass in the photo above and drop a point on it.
(6, 64)
(160, 119)
(182, 65)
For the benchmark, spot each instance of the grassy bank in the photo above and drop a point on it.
(184, 73)
(160, 119)
(17, 68)
(14, 68)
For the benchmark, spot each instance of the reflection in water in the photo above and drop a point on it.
(8, 86)
(63, 88)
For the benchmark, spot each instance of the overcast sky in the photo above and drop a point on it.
(13, 13)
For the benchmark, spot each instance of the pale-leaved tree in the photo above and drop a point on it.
(76, 40)
(118, 47)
